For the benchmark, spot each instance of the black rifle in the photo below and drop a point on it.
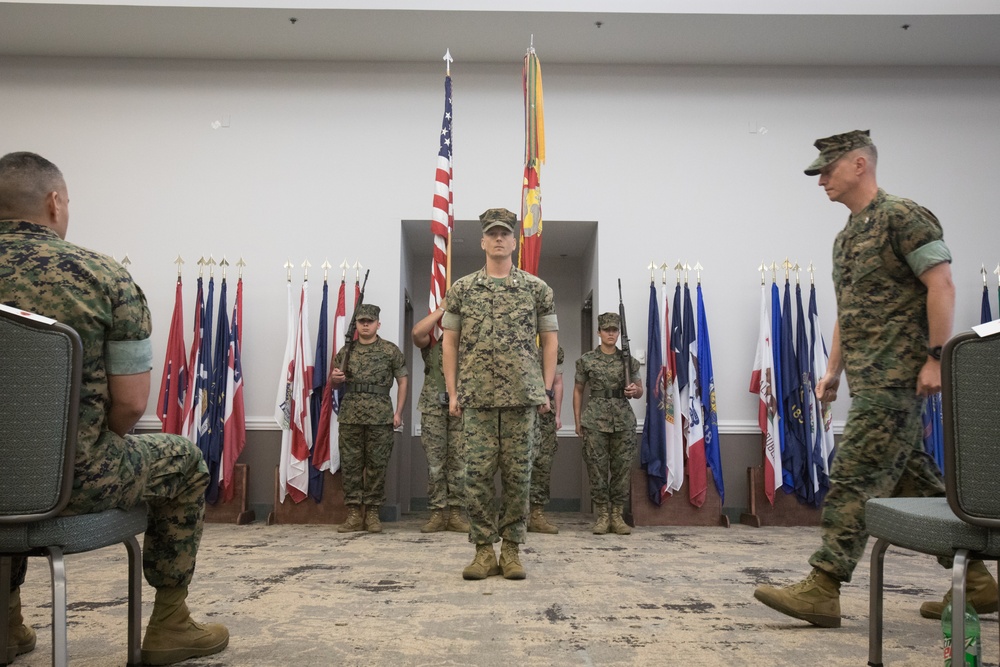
(626, 349)
(352, 329)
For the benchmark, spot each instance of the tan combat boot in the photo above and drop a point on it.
(456, 523)
(617, 524)
(372, 523)
(537, 523)
(602, 521)
(436, 524)
(172, 636)
(353, 522)
(20, 637)
(980, 592)
(483, 565)
(815, 599)
(510, 562)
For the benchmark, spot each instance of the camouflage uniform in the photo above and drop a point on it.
(365, 418)
(882, 313)
(97, 297)
(500, 385)
(546, 444)
(608, 425)
(441, 435)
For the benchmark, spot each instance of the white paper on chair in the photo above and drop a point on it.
(987, 328)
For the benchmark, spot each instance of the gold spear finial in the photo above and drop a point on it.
(812, 273)
(678, 267)
(241, 264)
(652, 268)
(763, 272)
(326, 265)
(288, 270)
(201, 267)
(787, 266)
(698, 269)
(211, 266)
(774, 272)
(663, 268)
(178, 262)
(224, 263)
(797, 269)
(343, 269)
(687, 272)
(305, 270)
(357, 270)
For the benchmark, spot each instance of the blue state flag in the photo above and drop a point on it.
(787, 483)
(793, 455)
(205, 368)
(803, 363)
(319, 388)
(217, 399)
(677, 341)
(984, 313)
(652, 453)
(713, 454)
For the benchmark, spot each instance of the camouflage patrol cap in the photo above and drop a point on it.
(368, 311)
(608, 321)
(833, 148)
(498, 217)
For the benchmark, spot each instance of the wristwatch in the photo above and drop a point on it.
(551, 393)
(934, 352)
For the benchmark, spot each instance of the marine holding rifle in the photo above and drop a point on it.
(366, 367)
(608, 425)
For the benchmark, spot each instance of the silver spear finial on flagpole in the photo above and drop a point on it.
(774, 272)
(797, 269)
(663, 276)
(763, 272)
(326, 269)
(305, 270)
(178, 262)
(241, 264)
(812, 273)
(678, 268)
(982, 270)
(448, 60)
(343, 270)
(288, 270)
(652, 268)
(201, 267)
(224, 263)
(698, 269)
(211, 266)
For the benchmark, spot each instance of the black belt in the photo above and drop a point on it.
(367, 388)
(607, 393)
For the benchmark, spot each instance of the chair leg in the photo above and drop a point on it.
(4, 605)
(60, 650)
(958, 571)
(134, 602)
(875, 604)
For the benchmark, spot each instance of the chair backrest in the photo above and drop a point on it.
(970, 393)
(40, 371)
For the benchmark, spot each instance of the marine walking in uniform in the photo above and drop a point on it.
(494, 322)
(607, 426)
(42, 272)
(895, 304)
(367, 418)
(440, 435)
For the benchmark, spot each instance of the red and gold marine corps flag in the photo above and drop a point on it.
(534, 156)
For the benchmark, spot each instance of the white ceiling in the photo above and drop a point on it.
(631, 32)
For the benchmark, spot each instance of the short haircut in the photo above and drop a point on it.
(26, 179)
(871, 154)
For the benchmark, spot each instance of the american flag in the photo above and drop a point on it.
(443, 212)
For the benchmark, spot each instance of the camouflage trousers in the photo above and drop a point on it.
(880, 455)
(609, 458)
(498, 438)
(546, 444)
(364, 456)
(441, 436)
(168, 473)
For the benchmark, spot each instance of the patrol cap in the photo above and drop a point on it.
(368, 311)
(608, 321)
(833, 148)
(498, 217)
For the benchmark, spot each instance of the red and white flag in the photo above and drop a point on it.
(192, 397)
(234, 430)
(762, 384)
(301, 410)
(673, 411)
(283, 400)
(442, 213)
(694, 425)
(173, 384)
(326, 451)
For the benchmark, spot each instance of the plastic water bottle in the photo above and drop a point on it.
(973, 648)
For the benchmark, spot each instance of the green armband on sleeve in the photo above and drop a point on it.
(128, 357)
(928, 256)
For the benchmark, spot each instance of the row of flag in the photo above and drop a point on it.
(680, 435)
(305, 406)
(796, 427)
(201, 394)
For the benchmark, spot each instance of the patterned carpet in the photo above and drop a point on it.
(306, 595)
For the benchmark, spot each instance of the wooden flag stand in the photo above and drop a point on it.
(786, 511)
(331, 510)
(234, 511)
(676, 510)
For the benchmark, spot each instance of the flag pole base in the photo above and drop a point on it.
(676, 510)
(329, 511)
(234, 511)
(786, 511)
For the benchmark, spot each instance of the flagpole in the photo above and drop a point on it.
(180, 261)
